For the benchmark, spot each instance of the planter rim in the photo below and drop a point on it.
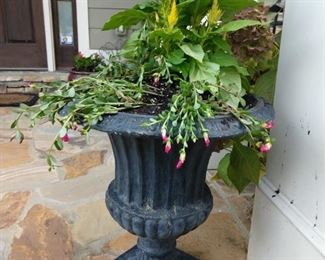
(221, 126)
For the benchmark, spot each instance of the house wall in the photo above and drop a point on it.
(99, 11)
(290, 224)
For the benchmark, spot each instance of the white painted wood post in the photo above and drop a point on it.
(49, 37)
(289, 211)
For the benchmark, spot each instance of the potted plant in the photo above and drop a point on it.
(85, 65)
(172, 95)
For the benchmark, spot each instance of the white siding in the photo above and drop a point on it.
(99, 12)
(296, 165)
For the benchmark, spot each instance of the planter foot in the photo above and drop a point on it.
(136, 253)
(152, 249)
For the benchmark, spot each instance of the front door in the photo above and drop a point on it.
(22, 36)
(65, 32)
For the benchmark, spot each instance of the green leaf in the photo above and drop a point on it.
(14, 124)
(125, 18)
(24, 106)
(19, 136)
(196, 106)
(206, 71)
(221, 43)
(244, 166)
(71, 92)
(222, 171)
(63, 132)
(265, 85)
(183, 68)
(230, 100)
(196, 11)
(185, 3)
(129, 48)
(237, 25)
(242, 70)
(45, 106)
(194, 51)
(176, 57)
(58, 144)
(226, 59)
(231, 80)
(223, 59)
(175, 35)
(231, 7)
(51, 161)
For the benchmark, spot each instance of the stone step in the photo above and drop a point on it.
(20, 81)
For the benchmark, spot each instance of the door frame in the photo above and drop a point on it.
(49, 35)
(82, 31)
(82, 23)
(64, 51)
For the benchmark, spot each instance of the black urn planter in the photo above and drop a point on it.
(149, 197)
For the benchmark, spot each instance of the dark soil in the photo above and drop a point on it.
(160, 102)
(251, 101)
(165, 92)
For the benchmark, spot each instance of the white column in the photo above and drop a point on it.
(49, 38)
(289, 211)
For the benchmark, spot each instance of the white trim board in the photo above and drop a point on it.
(298, 220)
(49, 36)
(83, 27)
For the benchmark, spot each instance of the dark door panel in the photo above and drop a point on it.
(65, 32)
(22, 36)
(19, 25)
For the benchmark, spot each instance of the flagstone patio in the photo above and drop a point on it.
(62, 214)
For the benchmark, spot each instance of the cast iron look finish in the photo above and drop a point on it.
(149, 196)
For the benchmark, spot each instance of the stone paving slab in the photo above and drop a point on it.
(20, 81)
(32, 76)
(62, 214)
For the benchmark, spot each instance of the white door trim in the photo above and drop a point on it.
(49, 36)
(83, 28)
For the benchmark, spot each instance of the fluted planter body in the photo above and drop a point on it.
(149, 197)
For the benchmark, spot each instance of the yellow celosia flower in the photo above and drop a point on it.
(215, 13)
(173, 15)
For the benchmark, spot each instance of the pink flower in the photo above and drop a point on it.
(264, 148)
(65, 138)
(206, 139)
(164, 134)
(81, 54)
(268, 124)
(181, 160)
(168, 147)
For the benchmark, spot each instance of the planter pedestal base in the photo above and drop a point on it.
(148, 249)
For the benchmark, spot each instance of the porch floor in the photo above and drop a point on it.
(62, 214)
